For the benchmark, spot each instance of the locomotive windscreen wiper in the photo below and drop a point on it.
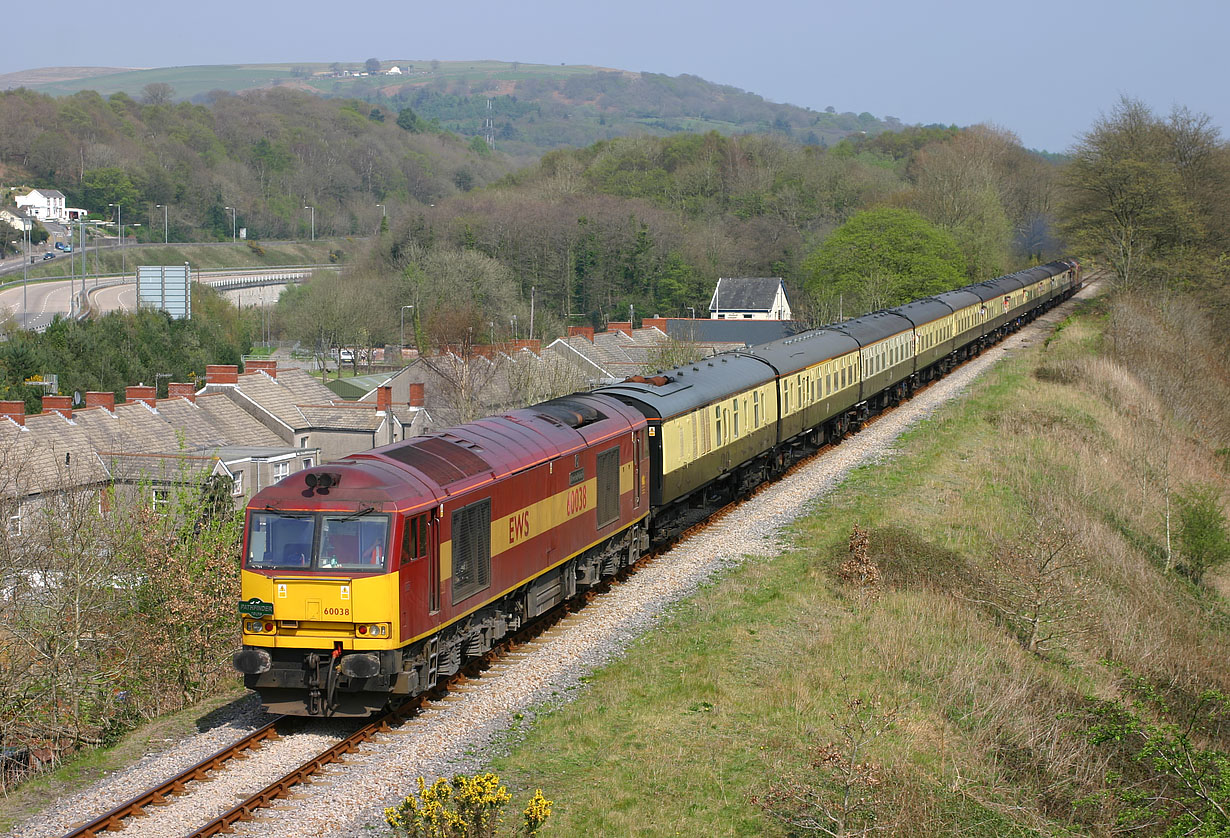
(359, 514)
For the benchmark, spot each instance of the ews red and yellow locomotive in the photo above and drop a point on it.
(370, 577)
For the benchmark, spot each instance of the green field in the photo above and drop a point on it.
(196, 80)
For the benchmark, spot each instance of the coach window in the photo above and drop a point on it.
(717, 417)
(756, 409)
(734, 428)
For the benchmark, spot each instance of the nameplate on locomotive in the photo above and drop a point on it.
(256, 607)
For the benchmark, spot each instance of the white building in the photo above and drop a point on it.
(44, 204)
(393, 71)
(749, 298)
(16, 220)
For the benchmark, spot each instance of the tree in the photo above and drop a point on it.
(883, 257)
(1126, 201)
(844, 800)
(408, 120)
(1203, 539)
(157, 93)
(108, 185)
(372, 65)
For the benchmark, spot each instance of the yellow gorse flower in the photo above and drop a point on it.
(463, 807)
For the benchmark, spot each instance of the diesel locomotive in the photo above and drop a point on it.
(369, 578)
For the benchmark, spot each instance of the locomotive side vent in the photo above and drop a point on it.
(608, 487)
(471, 549)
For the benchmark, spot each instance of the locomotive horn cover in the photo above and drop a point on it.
(360, 666)
(252, 661)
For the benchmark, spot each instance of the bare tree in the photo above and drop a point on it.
(843, 801)
(1035, 587)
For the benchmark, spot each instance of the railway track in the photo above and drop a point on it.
(252, 804)
(203, 771)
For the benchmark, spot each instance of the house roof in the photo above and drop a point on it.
(748, 293)
(48, 454)
(47, 193)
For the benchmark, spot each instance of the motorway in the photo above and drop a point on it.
(35, 306)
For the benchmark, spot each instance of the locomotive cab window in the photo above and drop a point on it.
(354, 542)
(307, 541)
(414, 538)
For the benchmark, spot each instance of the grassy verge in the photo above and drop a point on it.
(91, 764)
(729, 699)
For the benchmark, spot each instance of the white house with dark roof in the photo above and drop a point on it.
(44, 204)
(17, 220)
(749, 298)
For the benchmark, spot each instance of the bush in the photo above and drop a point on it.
(1203, 540)
(464, 807)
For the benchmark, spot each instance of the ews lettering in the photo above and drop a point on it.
(519, 526)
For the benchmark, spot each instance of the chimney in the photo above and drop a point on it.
(416, 395)
(100, 398)
(181, 390)
(268, 366)
(384, 398)
(624, 326)
(14, 410)
(140, 393)
(62, 405)
(660, 322)
(221, 374)
(586, 332)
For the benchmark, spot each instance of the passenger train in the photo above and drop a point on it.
(369, 578)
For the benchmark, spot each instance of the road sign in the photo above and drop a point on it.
(166, 287)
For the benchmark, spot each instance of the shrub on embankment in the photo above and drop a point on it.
(1028, 658)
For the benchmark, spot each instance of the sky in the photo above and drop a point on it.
(1044, 69)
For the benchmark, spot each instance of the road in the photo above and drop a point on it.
(44, 300)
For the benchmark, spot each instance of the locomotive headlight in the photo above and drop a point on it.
(372, 629)
(258, 627)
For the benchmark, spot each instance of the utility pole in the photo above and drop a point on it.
(234, 237)
(531, 334)
(313, 209)
(119, 227)
(166, 236)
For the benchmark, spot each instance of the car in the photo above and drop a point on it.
(59, 245)
(47, 256)
(347, 355)
(68, 248)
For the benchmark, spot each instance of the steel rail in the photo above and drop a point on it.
(112, 820)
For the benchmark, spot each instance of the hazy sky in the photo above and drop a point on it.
(1043, 69)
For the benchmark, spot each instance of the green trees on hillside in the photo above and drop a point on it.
(880, 258)
(266, 153)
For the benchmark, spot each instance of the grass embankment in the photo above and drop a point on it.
(741, 684)
(200, 256)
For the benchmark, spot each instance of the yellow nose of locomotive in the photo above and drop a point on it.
(297, 612)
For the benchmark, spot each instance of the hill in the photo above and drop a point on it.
(530, 107)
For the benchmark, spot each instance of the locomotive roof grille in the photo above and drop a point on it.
(570, 412)
(443, 461)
